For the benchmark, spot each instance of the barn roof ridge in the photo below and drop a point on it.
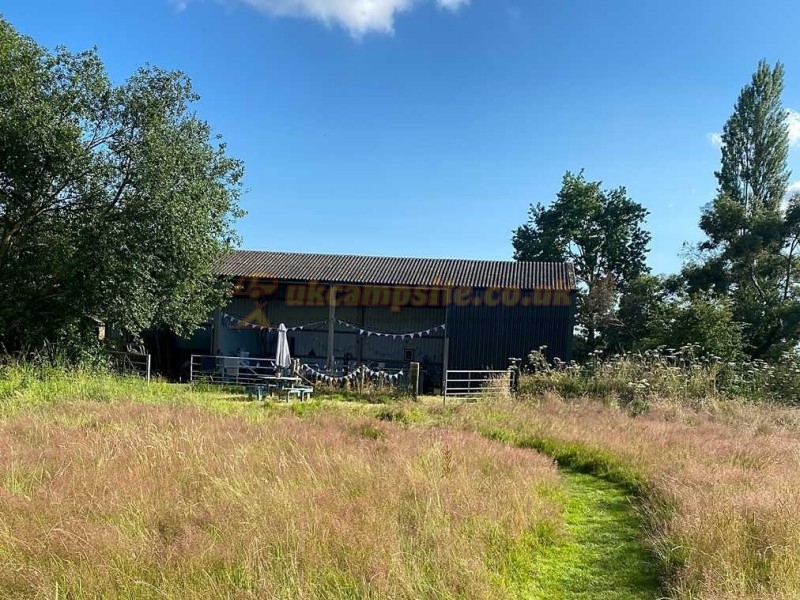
(403, 271)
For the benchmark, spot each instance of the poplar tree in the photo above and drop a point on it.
(752, 229)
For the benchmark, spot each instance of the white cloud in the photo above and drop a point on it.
(359, 17)
(794, 188)
(453, 4)
(715, 139)
(793, 121)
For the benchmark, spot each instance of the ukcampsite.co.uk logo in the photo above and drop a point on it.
(260, 287)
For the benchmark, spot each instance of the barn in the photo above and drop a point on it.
(343, 310)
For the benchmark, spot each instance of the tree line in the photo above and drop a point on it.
(738, 294)
(115, 201)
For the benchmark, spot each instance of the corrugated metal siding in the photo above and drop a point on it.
(264, 343)
(486, 337)
(480, 336)
(379, 270)
(232, 341)
(410, 320)
(347, 340)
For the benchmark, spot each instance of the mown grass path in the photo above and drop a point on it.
(603, 556)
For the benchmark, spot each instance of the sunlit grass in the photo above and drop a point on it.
(602, 557)
(115, 489)
(717, 487)
(201, 470)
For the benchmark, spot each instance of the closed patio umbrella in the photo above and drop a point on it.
(282, 358)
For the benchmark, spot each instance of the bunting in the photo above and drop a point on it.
(352, 376)
(401, 336)
(241, 323)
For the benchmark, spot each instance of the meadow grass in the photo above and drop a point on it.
(111, 488)
(684, 374)
(718, 487)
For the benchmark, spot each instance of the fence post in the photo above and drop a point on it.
(149, 356)
(445, 363)
(513, 374)
(191, 368)
(413, 379)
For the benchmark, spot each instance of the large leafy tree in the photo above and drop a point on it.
(115, 201)
(753, 232)
(601, 232)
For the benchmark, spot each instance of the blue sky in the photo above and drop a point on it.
(426, 128)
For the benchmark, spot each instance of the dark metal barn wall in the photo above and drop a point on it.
(234, 338)
(486, 337)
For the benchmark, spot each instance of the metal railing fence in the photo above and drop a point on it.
(132, 363)
(231, 370)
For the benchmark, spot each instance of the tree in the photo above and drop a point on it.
(706, 322)
(601, 232)
(114, 201)
(658, 312)
(750, 254)
(643, 313)
(755, 145)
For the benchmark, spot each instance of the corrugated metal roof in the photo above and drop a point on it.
(378, 270)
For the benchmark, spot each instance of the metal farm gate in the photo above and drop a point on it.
(475, 384)
(132, 364)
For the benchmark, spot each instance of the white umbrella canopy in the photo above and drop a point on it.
(283, 359)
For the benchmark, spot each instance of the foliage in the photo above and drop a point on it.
(599, 231)
(706, 322)
(631, 377)
(657, 312)
(642, 314)
(750, 254)
(115, 201)
(688, 373)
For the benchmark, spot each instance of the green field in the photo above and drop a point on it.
(111, 488)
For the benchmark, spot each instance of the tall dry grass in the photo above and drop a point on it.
(723, 483)
(127, 500)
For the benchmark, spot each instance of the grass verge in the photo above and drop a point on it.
(604, 554)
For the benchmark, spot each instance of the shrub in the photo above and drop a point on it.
(677, 374)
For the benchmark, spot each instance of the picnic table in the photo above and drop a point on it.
(290, 385)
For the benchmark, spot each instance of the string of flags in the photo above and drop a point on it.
(352, 376)
(230, 320)
(396, 336)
